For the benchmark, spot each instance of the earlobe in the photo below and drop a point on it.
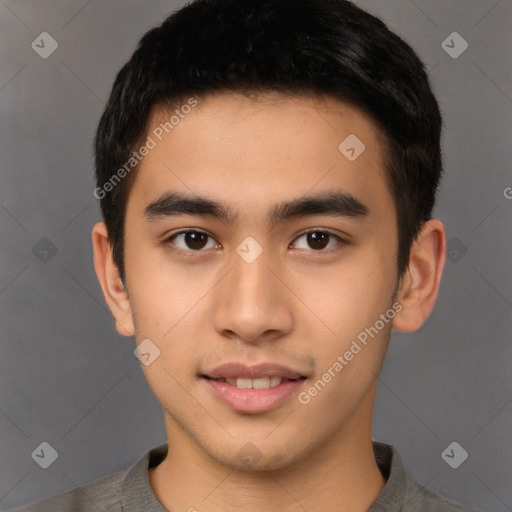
(111, 284)
(420, 284)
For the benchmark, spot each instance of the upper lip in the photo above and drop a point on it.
(232, 370)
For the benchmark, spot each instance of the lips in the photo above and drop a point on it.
(260, 371)
(253, 389)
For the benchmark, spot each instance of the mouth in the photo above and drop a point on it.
(255, 389)
(258, 383)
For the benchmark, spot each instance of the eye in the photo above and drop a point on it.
(194, 240)
(318, 240)
(191, 240)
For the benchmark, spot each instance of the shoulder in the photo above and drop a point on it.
(115, 492)
(99, 495)
(424, 499)
(402, 492)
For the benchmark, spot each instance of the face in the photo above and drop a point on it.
(281, 288)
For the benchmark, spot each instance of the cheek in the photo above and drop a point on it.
(177, 348)
(169, 302)
(349, 361)
(344, 298)
(162, 291)
(351, 340)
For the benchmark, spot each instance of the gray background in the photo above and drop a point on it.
(66, 376)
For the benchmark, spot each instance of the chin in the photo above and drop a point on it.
(250, 458)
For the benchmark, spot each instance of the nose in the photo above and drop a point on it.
(252, 303)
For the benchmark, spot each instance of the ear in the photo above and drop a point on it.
(111, 284)
(420, 283)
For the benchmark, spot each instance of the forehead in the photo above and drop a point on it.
(263, 148)
(264, 113)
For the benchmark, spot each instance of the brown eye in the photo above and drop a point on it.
(195, 240)
(191, 240)
(318, 240)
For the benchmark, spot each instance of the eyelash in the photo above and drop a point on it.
(169, 239)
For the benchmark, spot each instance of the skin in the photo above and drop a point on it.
(293, 305)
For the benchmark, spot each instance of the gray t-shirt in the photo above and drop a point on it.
(130, 490)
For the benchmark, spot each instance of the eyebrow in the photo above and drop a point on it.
(339, 204)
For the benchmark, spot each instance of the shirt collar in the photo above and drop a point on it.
(135, 488)
(398, 481)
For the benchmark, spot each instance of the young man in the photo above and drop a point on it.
(267, 171)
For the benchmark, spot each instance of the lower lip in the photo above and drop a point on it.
(254, 400)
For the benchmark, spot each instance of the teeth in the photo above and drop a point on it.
(244, 383)
(275, 381)
(261, 383)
